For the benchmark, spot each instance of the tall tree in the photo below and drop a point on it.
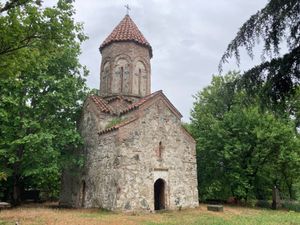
(278, 77)
(42, 87)
(13, 3)
(241, 150)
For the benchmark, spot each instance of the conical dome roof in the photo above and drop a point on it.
(126, 30)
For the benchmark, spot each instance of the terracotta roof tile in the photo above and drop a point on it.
(101, 104)
(126, 30)
(139, 102)
(118, 97)
(131, 107)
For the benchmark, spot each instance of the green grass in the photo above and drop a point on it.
(114, 122)
(263, 217)
(231, 216)
(101, 213)
(5, 223)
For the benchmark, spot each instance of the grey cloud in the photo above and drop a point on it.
(188, 38)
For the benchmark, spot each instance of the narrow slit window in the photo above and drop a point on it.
(83, 187)
(160, 149)
(122, 76)
(140, 74)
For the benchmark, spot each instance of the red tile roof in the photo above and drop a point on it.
(105, 107)
(126, 31)
(101, 104)
(118, 97)
(139, 102)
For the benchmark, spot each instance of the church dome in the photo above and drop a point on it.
(126, 30)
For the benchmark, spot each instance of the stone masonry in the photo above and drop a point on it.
(137, 154)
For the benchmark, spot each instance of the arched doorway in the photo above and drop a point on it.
(159, 194)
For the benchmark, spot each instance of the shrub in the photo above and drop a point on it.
(263, 204)
(291, 205)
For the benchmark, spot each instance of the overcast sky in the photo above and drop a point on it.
(188, 38)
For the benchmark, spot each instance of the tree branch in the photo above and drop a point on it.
(12, 4)
(26, 42)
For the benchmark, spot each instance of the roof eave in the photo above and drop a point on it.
(133, 41)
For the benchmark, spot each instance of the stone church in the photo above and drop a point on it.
(137, 154)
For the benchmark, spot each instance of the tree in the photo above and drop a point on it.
(242, 151)
(13, 3)
(42, 87)
(277, 79)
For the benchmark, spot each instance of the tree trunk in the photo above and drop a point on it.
(17, 185)
(288, 183)
(16, 191)
(290, 190)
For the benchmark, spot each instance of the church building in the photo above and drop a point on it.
(138, 156)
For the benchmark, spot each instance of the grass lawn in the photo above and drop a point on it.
(41, 214)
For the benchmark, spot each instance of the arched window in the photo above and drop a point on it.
(139, 85)
(120, 79)
(105, 77)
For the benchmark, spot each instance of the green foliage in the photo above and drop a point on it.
(186, 126)
(263, 204)
(93, 91)
(114, 122)
(3, 176)
(242, 151)
(13, 3)
(278, 78)
(42, 87)
(292, 206)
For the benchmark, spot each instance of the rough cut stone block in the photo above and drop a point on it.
(4, 205)
(216, 208)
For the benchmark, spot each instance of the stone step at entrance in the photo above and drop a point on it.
(216, 208)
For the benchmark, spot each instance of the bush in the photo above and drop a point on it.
(263, 204)
(291, 206)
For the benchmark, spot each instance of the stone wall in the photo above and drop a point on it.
(123, 165)
(141, 166)
(85, 187)
(125, 69)
(101, 174)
